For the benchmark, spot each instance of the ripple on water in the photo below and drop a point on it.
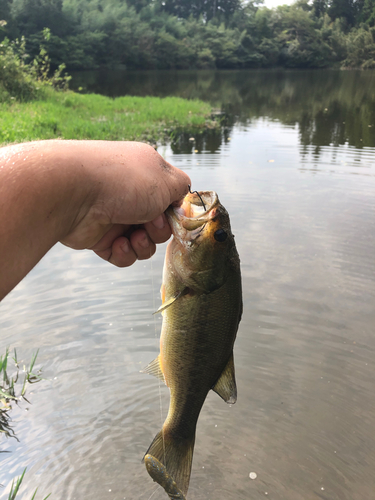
(305, 416)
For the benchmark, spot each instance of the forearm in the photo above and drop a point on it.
(105, 196)
(43, 189)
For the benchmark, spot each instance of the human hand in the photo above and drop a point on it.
(132, 186)
(106, 196)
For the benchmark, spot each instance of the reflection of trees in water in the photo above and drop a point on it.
(329, 107)
(202, 140)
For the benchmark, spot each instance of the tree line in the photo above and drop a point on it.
(187, 34)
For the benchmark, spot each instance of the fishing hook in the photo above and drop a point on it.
(200, 197)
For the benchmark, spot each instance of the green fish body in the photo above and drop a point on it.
(202, 307)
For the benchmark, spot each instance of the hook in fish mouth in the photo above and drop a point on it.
(195, 205)
(189, 218)
(200, 197)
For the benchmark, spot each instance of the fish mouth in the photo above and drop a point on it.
(188, 219)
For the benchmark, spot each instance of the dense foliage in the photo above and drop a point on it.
(24, 79)
(195, 33)
(32, 109)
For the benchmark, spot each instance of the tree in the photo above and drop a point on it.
(346, 9)
(319, 7)
(208, 9)
(138, 4)
(32, 16)
(367, 14)
(4, 10)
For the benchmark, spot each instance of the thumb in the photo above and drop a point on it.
(178, 183)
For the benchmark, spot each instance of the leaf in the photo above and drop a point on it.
(13, 492)
(33, 361)
(6, 395)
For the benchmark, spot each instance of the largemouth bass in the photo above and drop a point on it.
(201, 307)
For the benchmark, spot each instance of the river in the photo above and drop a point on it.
(294, 164)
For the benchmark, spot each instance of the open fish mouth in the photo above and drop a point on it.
(195, 204)
(188, 219)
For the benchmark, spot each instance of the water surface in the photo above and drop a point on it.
(295, 167)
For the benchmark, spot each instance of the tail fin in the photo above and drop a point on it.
(168, 461)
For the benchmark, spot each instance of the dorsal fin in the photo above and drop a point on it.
(225, 386)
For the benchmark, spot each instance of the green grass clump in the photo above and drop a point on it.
(16, 486)
(69, 115)
(12, 390)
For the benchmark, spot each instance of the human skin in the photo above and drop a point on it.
(109, 197)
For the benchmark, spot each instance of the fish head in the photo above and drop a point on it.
(202, 251)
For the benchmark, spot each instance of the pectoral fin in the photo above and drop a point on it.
(226, 384)
(154, 369)
(170, 301)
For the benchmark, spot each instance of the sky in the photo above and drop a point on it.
(274, 3)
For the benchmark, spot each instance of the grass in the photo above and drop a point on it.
(16, 486)
(69, 115)
(12, 390)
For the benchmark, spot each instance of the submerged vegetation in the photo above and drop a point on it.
(163, 34)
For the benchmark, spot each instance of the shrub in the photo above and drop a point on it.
(17, 79)
(22, 80)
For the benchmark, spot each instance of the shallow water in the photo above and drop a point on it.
(300, 187)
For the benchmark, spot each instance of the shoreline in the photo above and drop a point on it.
(69, 115)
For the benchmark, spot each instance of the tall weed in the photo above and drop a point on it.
(17, 79)
(22, 80)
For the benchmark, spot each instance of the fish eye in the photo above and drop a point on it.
(220, 235)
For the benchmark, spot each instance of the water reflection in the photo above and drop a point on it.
(206, 140)
(327, 107)
(304, 220)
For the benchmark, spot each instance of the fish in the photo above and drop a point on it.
(202, 308)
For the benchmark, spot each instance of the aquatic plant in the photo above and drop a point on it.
(13, 390)
(16, 486)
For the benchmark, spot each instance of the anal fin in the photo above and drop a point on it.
(154, 369)
(225, 386)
